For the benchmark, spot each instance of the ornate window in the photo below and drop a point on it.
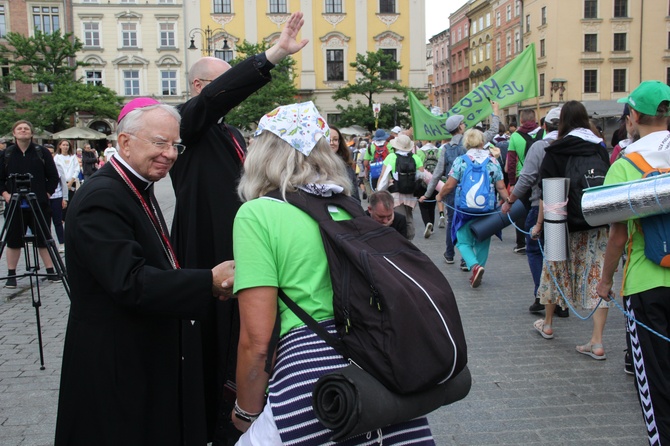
(335, 65)
(278, 7)
(223, 7)
(91, 34)
(131, 82)
(334, 7)
(168, 35)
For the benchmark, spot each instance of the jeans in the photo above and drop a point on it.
(533, 253)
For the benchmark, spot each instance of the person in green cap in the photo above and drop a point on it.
(646, 284)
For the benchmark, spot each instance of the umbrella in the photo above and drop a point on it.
(353, 131)
(111, 137)
(79, 133)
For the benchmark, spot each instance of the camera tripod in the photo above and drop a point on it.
(25, 200)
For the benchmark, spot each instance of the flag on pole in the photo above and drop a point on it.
(514, 83)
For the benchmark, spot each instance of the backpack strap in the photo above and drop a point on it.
(317, 207)
(638, 161)
(313, 325)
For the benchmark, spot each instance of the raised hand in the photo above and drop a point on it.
(288, 43)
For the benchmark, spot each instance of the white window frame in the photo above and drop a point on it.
(170, 34)
(125, 79)
(222, 4)
(333, 6)
(172, 80)
(282, 6)
(95, 34)
(3, 21)
(130, 33)
(94, 80)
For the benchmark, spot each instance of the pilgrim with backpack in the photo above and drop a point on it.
(402, 167)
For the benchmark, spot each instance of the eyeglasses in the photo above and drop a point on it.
(161, 145)
(205, 80)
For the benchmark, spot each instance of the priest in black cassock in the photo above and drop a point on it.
(205, 181)
(120, 381)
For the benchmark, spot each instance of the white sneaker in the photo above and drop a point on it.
(428, 231)
(441, 224)
(61, 248)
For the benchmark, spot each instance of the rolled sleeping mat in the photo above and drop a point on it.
(351, 402)
(555, 198)
(487, 226)
(620, 202)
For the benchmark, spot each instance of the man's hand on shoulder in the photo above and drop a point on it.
(287, 43)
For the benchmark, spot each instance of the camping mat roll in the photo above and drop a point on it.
(554, 196)
(620, 202)
(350, 401)
(487, 226)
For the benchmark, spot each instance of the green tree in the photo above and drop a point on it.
(280, 91)
(49, 60)
(372, 70)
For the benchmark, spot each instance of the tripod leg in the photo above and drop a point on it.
(44, 231)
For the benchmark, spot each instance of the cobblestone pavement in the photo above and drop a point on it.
(526, 390)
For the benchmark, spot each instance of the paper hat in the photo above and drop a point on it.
(300, 125)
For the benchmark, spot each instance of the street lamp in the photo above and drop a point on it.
(207, 35)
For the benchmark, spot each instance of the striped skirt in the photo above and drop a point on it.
(303, 357)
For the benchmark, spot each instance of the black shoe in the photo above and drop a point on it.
(464, 267)
(449, 260)
(560, 312)
(628, 363)
(520, 249)
(365, 196)
(53, 278)
(536, 307)
(11, 282)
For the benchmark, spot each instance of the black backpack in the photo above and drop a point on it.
(395, 312)
(405, 167)
(584, 172)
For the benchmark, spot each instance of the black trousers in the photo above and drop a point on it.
(651, 359)
(427, 209)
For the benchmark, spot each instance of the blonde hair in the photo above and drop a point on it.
(473, 138)
(272, 164)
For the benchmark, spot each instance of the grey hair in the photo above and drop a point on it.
(272, 164)
(133, 122)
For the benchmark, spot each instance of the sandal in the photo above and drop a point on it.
(539, 325)
(587, 349)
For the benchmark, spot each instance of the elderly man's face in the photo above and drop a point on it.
(144, 150)
(381, 215)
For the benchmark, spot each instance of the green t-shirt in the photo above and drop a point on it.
(370, 151)
(641, 274)
(278, 245)
(390, 161)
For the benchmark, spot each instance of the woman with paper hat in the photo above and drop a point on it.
(279, 246)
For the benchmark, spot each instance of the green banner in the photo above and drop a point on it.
(514, 83)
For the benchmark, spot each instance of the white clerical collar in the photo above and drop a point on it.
(122, 161)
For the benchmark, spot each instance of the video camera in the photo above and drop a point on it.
(21, 182)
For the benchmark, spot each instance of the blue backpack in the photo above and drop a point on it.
(475, 193)
(655, 228)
